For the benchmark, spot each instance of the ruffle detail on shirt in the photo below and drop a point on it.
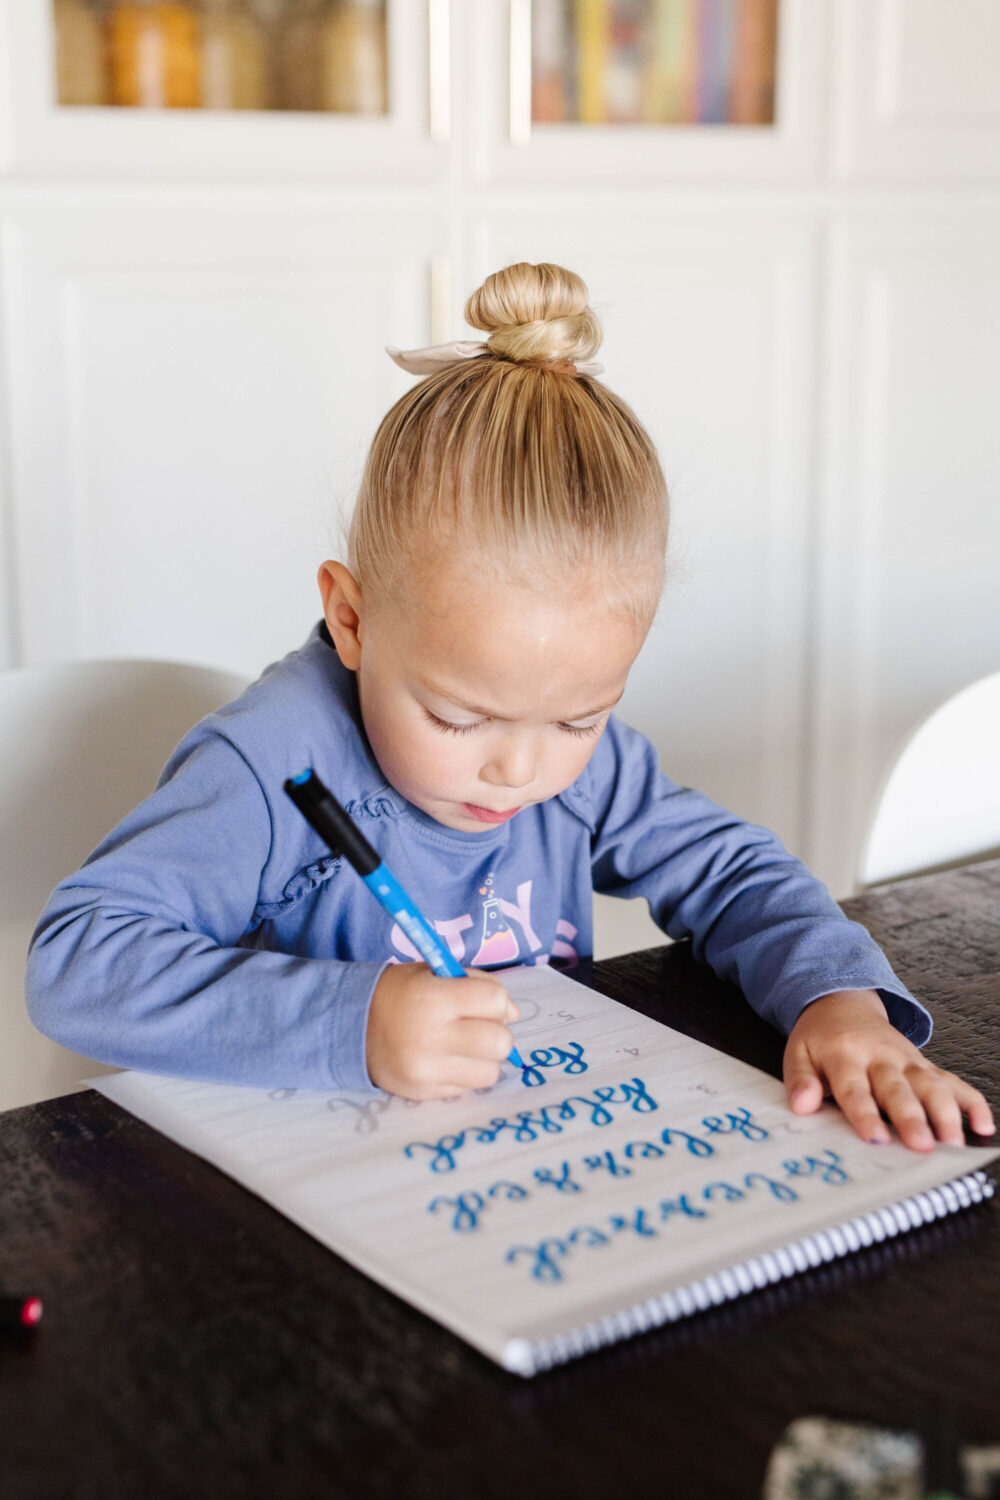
(378, 805)
(306, 880)
(300, 885)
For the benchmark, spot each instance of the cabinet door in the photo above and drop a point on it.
(909, 548)
(506, 142)
(408, 143)
(708, 323)
(192, 399)
(916, 90)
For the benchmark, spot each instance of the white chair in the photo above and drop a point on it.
(80, 744)
(940, 804)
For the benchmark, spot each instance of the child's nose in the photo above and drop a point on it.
(511, 764)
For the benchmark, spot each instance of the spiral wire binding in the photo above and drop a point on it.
(528, 1358)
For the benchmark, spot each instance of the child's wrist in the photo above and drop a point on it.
(869, 999)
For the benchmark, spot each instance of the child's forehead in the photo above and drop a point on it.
(460, 579)
(504, 648)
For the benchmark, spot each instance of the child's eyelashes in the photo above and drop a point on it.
(584, 729)
(444, 726)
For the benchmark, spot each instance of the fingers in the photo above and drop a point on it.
(971, 1101)
(486, 1040)
(433, 1038)
(862, 1095)
(903, 1105)
(852, 1090)
(472, 1073)
(872, 1071)
(803, 1085)
(458, 1076)
(941, 1108)
(924, 1102)
(485, 997)
(476, 1038)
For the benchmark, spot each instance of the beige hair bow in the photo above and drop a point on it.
(426, 361)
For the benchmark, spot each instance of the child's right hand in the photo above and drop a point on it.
(431, 1038)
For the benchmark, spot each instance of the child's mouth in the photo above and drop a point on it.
(486, 814)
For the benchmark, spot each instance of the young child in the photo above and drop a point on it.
(505, 561)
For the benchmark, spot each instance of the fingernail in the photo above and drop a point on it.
(878, 1140)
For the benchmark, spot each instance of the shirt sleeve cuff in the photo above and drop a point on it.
(905, 1012)
(349, 1027)
(907, 1015)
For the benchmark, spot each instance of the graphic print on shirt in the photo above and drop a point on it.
(498, 944)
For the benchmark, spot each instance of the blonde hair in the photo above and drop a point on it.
(541, 471)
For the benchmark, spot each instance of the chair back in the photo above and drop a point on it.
(81, 743)
(940, 804)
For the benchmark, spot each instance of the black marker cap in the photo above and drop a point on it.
(320, 808)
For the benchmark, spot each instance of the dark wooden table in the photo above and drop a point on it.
(197, 1344)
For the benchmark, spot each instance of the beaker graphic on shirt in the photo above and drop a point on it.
(497, 945)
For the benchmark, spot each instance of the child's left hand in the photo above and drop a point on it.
(844, 1044)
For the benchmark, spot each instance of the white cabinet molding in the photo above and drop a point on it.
(908, 552)
(506, 148)
(916, 91)
(406, 146)
(191, 402)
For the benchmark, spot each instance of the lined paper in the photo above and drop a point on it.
(627, 1161)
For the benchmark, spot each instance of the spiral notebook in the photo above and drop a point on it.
(630, 1177)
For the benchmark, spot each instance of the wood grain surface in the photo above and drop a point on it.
(196, 1344)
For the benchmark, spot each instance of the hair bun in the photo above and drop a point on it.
(535, 314)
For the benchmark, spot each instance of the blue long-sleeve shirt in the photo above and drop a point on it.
(212, 935)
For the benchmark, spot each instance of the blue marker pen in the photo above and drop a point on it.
(320, 808)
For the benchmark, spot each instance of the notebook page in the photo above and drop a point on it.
(628, 1161)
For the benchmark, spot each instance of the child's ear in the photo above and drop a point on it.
(342, 607)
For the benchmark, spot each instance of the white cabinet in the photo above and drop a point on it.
(916, 91)
(192, 395)
(503, 145)
(407, 146)
(471, 62)
(908, 555)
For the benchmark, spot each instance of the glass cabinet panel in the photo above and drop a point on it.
(653, 62)
(303, 55)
